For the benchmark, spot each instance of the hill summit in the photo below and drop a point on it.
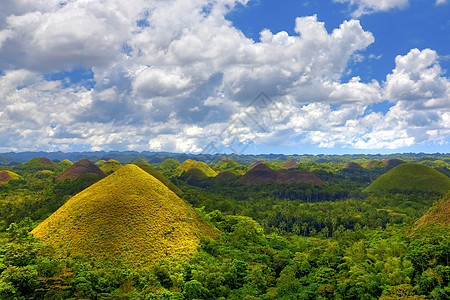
(128, 213)
(158, 175)
(190, 164)
(82, 167)
(409, 177)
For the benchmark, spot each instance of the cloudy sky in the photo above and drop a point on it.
(341, 76)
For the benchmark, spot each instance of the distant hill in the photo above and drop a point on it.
(438, 213)
(228, 164)
(353, 166)
(38, 164)
(168, 167)
(6, 176)
(80, 168)
(110, 166)
(191, 164)
(158, 175)
(289, 164)
(128, 213)
(261, 173)
(409, 177)
(226, 175)
(65, 163)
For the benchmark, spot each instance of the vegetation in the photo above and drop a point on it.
(192, 164)
(158, 175)
(110, 166)
(128, 236)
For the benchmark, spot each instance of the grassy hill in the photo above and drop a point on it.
(228, 164)
(410, 177)
(158, 175)
(168, 167)
(65, 163)
(38, 164)
(110, 166)
(289, 164)
(191, 164)
(438, 213)
(128, 213)
(80, 168)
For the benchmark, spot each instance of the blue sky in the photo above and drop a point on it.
(349, 76)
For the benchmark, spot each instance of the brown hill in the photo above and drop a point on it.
(80, 168)
(263, 174)
(289, 164)
(298, 176)
(128, 213)
(257, 163)
(46, 161)
(392, 163)
(4, 177)
(226, 175)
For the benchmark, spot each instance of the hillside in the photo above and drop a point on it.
(228, 164)
(158, 175)
(438, 213)
(353, 166)
(38, 164)
(6, 176)
(65, 163)
(289, 164)
(80, 168)
(261, 173)
(409, 177)
(193, 164)
(127, 213)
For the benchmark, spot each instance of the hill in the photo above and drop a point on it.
(226, 175)
(110, 166)
(80, 168)
(438, 213)
(191, 164)
(158, 175)
(289, 164)
(38, 164)
(353, 166)
(65, 163)
(128, 213)
(228, 164)
(409, 177)
(168, 167)
(6, 176)
(261, 173)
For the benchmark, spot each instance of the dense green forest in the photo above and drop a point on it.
(354, 237)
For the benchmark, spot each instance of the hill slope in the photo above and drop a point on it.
(129, 212)
(110, 166)
(410, 177)
(6, 176)
(158, 175)
(80, 168)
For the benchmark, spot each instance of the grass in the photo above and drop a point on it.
(191, 164)
(65, 163)
(410, 177)
(6, 176)
(128, 213)
(227, 164)
(158, 175)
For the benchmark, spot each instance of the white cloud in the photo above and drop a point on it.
(173, 83)
(441, 2)
(363, 7)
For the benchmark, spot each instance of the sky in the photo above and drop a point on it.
(242, 76)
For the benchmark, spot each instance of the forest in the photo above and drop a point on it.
(269, 227)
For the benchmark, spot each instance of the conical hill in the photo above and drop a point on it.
(128, 213)
(409, 177)
(193, 164)
(158, 175)
(110, 166)
(80, 168)
(289, 164)
(264, 174)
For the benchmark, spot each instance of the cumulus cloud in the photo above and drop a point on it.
(170, 80)
(363, 7)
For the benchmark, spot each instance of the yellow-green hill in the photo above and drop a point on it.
(158, 175)
(168, 167)
(128, 213)
(191, 164)
(65, 163)
(227, 164)
(110, 166)
(410, 177)
(438, 213)
(100, 163)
